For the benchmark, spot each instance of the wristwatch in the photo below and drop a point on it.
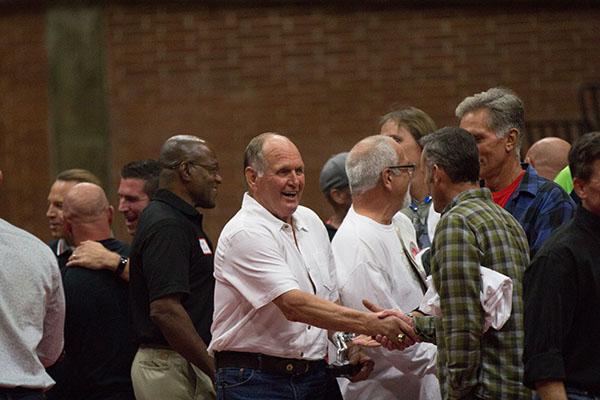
(121, 267)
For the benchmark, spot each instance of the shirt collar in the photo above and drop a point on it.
(62, 247)
(250, 204)
(471, 194)
(588, 219)
(170, 198)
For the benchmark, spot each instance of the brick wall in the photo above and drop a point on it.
(24, 132)
(324, 74)
(321, 74)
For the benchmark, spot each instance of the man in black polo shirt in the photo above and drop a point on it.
(99, 346)
(562, 293)
(171, 277)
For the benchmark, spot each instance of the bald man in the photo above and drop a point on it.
(98, 346)
(548, 156)
(171, 277)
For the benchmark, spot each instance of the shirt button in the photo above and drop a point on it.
(308, 327)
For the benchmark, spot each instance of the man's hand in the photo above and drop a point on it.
(93, 255)
(398, 331)
(356, 356)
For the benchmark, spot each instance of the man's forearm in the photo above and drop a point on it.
(551, 390)
(304, 307)
(177, 327)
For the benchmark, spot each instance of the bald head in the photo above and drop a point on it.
(548, 156)
(368, 158)
(85, 202)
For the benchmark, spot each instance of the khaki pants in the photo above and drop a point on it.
(159, 374)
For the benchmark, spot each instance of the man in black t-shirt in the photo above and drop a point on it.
(171, 277)
(99, 346)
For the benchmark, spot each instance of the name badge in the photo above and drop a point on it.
(204, 246)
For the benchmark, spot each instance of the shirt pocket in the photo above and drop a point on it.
(320, 274)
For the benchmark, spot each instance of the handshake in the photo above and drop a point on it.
(393, 329)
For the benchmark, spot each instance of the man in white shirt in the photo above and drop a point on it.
(32, 313)
(276, 287)
(373, 260)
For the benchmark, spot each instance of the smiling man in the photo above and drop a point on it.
(172, 284)
(139, 182)
(275, 288)
(496, 119)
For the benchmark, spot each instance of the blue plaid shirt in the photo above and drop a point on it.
(540, 206)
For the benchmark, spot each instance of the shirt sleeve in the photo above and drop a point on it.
(456, 276)
(51, 345)
(556, 209)
(549, 290)
(253, 264)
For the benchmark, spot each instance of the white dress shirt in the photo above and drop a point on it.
(371, 264)
(256, 261)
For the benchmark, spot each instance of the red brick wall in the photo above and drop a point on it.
(24, 134)
(321, 74)
(324, 74)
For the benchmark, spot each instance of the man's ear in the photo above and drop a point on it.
(185, 171)
(386, 178)
(512, 139)
(436, 172)
(580, 188)
(251, 175)
(339, 196)
(111, 213)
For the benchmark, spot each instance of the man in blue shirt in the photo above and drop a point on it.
(495, 118)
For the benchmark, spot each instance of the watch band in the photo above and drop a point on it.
(121, 267)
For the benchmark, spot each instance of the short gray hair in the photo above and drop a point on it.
(367, 159)
(253, 155)
(505, 108)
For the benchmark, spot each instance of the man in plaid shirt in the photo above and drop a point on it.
(496, 120)
(473, 231)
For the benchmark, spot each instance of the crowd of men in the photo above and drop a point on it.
(417, 212)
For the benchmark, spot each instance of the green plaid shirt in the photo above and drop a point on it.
(474, 231)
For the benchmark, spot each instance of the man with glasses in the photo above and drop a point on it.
(172, 280)
(406, 126)
(373, 260)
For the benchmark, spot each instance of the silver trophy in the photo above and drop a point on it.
(341, 366)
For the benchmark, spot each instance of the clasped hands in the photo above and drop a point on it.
(396, 329)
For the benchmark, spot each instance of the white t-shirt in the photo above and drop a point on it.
(32, 309)
(371, 264)
(256, 261)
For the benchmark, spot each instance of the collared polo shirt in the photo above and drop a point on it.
(171, 255)
(256, 261)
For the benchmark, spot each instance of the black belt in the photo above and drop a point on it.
(269, 364)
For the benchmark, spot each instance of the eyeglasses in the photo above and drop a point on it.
(211, 169)
(410, 168)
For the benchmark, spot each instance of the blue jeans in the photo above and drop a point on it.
(21, 394)
(253, 384)
(575, 394)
